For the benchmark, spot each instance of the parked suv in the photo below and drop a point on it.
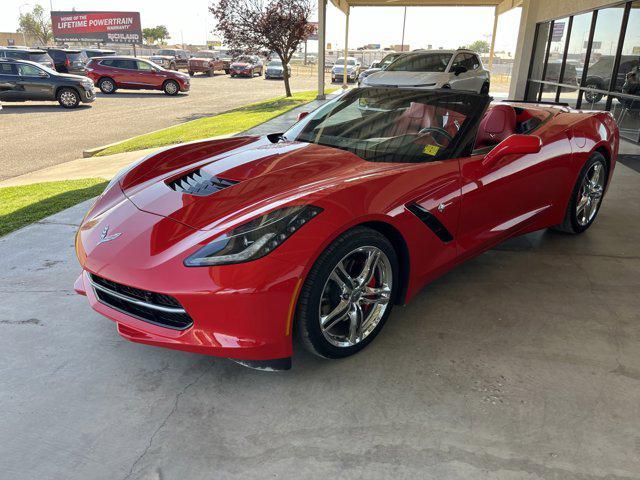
(353, 70)
(246, 66)
(31, 54)
(377, 66)
(22, 80)
(599, 75)
(457, 69)
(97, 52)
(111, 73)
(207, 61)
(171, 58)
(68, 61)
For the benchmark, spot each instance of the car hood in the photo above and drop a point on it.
(71, 76)
(241, 64)
(262, 175)
(206, 59)
(405, 79)
(164, 57)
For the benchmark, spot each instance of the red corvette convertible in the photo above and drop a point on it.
(231, 247)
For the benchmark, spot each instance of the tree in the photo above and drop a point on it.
(155, 34)
(479, 46)
(278, 26)
(36, 24)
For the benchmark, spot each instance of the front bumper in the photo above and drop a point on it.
(87, 96)
(242, 311)
(243, 73)
(338, 78)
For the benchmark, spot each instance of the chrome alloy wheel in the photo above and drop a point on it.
(355, 296)
(171, 88)
(107, 86)
(68, 99)
(590, 194)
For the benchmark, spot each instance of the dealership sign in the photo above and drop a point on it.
(103, 27)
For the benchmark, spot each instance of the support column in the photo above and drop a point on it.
(346, 49)
(322, 15)
(493, 37)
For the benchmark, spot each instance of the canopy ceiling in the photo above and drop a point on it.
(502, 5)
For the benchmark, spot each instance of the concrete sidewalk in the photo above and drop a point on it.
(107, 166)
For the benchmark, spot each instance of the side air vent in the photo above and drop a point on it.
(199, 183)
(431, 222)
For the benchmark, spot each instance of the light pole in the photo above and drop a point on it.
(404, 21)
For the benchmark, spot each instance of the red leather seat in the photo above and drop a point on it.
(498, 123)
(414, 119)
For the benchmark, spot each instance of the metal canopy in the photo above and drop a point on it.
(501, 5)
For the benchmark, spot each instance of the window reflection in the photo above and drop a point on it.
(603, 56)
(576, 55)
(539, 53)
(627, 110)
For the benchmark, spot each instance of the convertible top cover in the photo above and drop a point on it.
(396, 125)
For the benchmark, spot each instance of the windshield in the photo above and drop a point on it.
(350, 61)
(244, 60)
(395, 125)
(421, 62)
(275, 63)
(76, 56)
(204, 54)
(388, 60)
(39, 57)
(169, 53)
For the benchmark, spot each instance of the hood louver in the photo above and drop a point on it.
(199, 183)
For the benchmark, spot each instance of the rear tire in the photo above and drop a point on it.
(107, 85)
(210, 73)
(171, 87)
(352, 318)
(69, 98)
(586, 197)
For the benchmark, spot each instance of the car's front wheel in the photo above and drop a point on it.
(107, 85)
(171, 87)
(348, 294)
(69, 98)
(586, 197)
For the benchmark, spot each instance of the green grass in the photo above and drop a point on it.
(20, 206)
(236, 120)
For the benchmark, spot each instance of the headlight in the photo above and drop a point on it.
(254, 239)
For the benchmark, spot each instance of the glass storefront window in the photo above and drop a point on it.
(539, 52)
(627, 110)
(603, 56)
(576, 55)
(554, 63)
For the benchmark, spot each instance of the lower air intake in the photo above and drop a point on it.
(199, 183)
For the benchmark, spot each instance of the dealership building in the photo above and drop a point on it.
(576, 52)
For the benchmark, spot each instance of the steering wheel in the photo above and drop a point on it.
(439, 131)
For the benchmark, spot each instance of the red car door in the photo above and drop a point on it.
(147, 75)
(511, 194)
(126, 73)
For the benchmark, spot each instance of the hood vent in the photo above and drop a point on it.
(199, 183)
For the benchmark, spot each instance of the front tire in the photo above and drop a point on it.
(107, 86)
(171, 87)
(69, 98)
(348, 294)
(586, 197)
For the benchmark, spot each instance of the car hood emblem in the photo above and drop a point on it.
(105, 237)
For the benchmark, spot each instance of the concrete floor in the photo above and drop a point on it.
(522, 364)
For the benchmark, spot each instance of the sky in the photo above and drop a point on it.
(190, 22)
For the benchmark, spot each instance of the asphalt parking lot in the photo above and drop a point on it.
(36, 135)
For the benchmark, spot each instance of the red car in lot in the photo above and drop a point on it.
(230, 247)
(207, 61)
(112, 72)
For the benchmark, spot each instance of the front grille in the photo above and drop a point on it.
(199, 183)
(152, 307)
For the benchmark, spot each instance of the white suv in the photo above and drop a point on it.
(456, 69)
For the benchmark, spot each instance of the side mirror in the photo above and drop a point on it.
(301, 115)
(458, 69)
(513, 145)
